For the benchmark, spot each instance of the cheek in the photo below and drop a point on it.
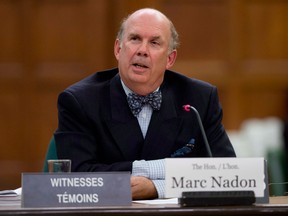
(127, 54)
(128, 48)
(161, 61)
(123, 54)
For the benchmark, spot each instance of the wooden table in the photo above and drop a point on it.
(276, 206)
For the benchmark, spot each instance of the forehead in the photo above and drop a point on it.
(148, 24)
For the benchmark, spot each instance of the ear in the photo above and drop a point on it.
(117, 48)
(171, 59)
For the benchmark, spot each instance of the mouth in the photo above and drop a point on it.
(138, 65)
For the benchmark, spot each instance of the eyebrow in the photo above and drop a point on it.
(156, 38)
(133, 35)
(139, 36)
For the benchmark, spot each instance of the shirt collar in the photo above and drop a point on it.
(128, 91)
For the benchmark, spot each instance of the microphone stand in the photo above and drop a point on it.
(213, 198)
(187, 108)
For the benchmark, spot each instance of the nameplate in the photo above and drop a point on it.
(76, 189)
(216, 174)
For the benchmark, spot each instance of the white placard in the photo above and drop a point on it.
(214, 174)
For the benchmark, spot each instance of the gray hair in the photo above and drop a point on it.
(174, 42)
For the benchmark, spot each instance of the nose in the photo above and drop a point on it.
(142, 50)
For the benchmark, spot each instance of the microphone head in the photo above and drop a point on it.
(186, 108)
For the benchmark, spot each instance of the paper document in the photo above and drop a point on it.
(158, 201)
(11, 193)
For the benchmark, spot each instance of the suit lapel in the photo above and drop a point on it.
(123, 125)
(163, 129)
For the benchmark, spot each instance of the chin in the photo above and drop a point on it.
(139, 78)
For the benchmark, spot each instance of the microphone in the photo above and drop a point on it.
(213, 198)
(187, 108)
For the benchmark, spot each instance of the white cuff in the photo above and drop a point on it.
(153, 169)
(140, 168)
(156, 169)
(160, 187)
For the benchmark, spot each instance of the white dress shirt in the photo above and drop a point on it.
(153, 169)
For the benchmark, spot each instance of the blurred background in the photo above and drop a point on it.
(241, 46)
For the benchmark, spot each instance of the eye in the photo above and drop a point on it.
(134, 38)
(155, 42)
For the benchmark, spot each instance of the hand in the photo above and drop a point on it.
(142, 188)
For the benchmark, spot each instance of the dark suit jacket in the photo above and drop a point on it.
(98, 131)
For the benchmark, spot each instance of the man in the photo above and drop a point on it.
(102, 128)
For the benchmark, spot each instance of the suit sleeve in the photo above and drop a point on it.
(76, 140)
(216, 134)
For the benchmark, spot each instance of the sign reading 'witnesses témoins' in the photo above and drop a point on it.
(76, 189)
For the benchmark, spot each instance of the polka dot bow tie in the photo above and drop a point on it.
(136, 102)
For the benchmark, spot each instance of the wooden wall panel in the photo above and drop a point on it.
(239, 45)
(266, 32)
(9, 37)
(11, 70)
(264, 102)
(10, 111)
(206, 39)
(10, 128)
(265, 58)
(61, 36)
(47, 45)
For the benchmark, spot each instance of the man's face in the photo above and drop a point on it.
(143, 54)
